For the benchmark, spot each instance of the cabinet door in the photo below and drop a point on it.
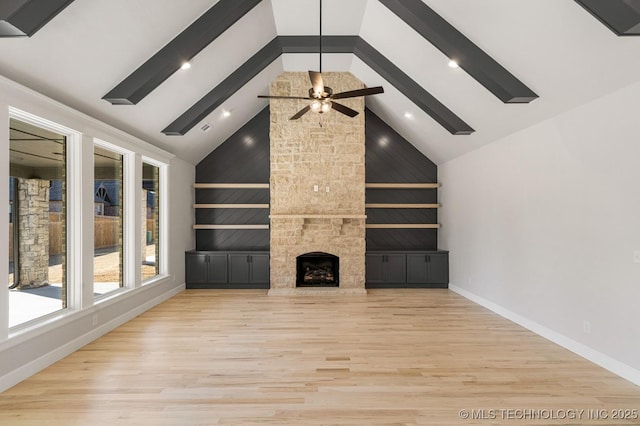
(417, 268)
(439, 268)
(395, 268)
(196, 268)
(239, 269)
(374, 264)
(259, 268)
(217, 268)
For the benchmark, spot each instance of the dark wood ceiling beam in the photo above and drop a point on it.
(181, 49)
(223, 91)
(412, 90)
(22, 18)
(310, 44)
(620, 16)
(456, 46)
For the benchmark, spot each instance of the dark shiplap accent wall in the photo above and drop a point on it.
(244, 158)
(392, 159)
(232, 239)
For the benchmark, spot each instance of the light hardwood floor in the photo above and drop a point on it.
(392, 357)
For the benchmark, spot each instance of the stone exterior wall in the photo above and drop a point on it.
(327, 150)
(143, 220)
(33, 241)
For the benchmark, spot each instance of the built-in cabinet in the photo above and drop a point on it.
(249, 268)
(227, 269)
(428, 269)
(385, 268)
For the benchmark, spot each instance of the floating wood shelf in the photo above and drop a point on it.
(402, 185)
(230, 226)
(402, 226)
(231, 185)
(231, 206)
(401, 206)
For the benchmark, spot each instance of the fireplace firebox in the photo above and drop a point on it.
(317, 269)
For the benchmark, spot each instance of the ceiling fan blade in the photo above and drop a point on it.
(282, 97)
(344, 109)
(316, 83)
(300, 113)
(359, 92)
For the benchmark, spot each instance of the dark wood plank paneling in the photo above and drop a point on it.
(232, 196)
(232, 239)
(243, 158)
(402, 196)
(402, 239)
(232, 216)
(392, 159)
(402, 216)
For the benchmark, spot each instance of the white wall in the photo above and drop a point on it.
(542, 226)
(25, 352)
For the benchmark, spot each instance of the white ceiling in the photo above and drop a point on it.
(554, 46)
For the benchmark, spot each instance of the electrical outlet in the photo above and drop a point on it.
(636, 256)
(315, 188)
(327, 189)
(586, 327)
(95, 319)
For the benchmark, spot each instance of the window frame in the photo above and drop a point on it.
(73, 234)
(128, 180)
(163, 218)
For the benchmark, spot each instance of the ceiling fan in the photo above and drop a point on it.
(322, 97)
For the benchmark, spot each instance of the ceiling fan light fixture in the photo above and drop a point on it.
(316, 105)
(320, 105)
(326, 106)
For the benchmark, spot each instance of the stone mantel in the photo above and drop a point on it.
(318, 216)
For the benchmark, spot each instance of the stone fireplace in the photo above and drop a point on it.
(317, 186)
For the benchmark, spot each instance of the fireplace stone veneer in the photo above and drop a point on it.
(317, 185)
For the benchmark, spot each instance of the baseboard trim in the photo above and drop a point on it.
(613, 365)
(27, 370)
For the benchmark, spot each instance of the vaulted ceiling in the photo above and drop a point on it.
(521, 61)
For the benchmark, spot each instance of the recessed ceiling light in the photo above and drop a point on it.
(408, 115)
(453, 64)
(226, 113)
(185, 66)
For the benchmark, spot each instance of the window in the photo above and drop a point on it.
(108, 220)
(37, 222)
(150, 221)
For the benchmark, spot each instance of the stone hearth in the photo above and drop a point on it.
(317, 185)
